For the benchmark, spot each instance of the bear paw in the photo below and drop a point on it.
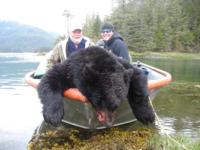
(53, 115)
(144, 114)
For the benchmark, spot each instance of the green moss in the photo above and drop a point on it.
(110, 139)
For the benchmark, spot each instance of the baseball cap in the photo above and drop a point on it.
(74, 27)
(107, 27)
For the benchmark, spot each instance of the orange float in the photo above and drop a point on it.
(75, 94)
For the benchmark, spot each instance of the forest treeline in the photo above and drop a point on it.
(153, 25)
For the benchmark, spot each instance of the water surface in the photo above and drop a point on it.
(178, 104)
(19, 106)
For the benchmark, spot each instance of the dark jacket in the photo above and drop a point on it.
(117, 45)
(70, 46)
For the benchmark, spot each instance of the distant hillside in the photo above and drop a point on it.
(15, 37)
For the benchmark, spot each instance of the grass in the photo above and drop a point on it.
(163, 142)
(172, 55)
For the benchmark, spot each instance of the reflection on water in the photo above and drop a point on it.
(181, 70)
(19, 106)
(20, 115)
(165, 125)
(178, 106)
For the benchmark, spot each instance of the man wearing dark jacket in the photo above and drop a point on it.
(113, 41)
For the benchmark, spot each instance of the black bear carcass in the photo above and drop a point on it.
(103, 78)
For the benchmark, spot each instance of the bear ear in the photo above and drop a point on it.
(127, 75)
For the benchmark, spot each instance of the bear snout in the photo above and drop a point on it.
(106, 118)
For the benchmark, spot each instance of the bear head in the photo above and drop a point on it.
(106, 90)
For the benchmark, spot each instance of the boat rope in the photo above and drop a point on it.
(162, 128)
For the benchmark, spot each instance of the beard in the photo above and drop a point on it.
(76, 40)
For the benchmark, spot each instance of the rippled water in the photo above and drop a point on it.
(19, 106)
(178, 104)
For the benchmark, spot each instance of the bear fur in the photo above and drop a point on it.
(103, 78)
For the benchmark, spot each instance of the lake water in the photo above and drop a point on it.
(178, 104)
(19, 106)
(20, 109)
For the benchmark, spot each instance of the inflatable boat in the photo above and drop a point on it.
(78, 110)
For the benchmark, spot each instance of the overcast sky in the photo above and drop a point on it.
(47, 14)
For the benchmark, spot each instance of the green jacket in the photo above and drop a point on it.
(59, 53)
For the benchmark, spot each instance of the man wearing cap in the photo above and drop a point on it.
(65, 48)
(113, 41)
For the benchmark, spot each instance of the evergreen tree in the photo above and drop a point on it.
(92, 26)
(154, 25)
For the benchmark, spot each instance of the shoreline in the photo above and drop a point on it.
(167, 55)
(154, 55)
